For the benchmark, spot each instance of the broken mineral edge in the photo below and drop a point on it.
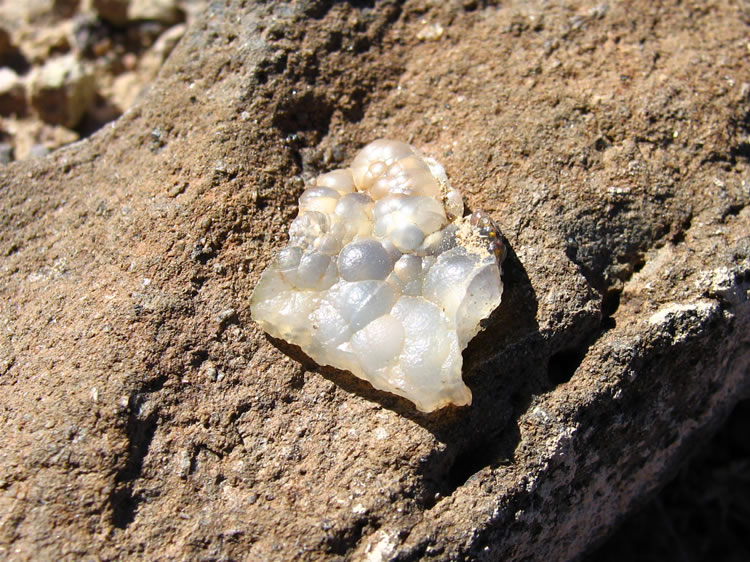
(384, 277)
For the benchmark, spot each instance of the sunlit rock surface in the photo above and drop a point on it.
(383, 276)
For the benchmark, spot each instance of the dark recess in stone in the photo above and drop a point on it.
(343, 541)
(563, 364)
(610, 304)
(468, 463)
(140, 433)
(300, 112)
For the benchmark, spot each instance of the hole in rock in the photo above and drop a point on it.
(610, 304)
(197, 357)
(471, 461)
(124, 507)
(300, 112)
(563, 364)
(140, 433)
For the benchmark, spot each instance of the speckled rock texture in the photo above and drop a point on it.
(146, 417)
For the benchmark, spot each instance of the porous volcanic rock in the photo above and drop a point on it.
(145, 415)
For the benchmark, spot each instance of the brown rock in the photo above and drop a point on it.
(41, 43)
(112, 11)
(12, 93)
(5, 44)
(62, 90)
(610, 145)
(120, 12)
(28, 133)
(163, 11)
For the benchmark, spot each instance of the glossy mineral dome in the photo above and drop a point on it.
(384, 277)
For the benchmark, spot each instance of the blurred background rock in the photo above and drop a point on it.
(67, 67)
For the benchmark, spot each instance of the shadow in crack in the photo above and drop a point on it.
(501, 366)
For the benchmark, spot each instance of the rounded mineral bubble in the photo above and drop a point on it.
(424, 212)
(360, 302)
(312, 272)
(378, 343)
(364, 259)
(445, 284)
(388, 206)
(409, 176)
(356, 210)
(406, 237)
(308, 227)
(340, 180)
(365, 168)
(394, 252)
(426, 344)
(288, 258)
(320, 199)
(482, 293)
(407, 220)
(408, 267)
(328, 244)
(408, 272)
(330, 328)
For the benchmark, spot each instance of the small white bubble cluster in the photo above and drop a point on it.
(383, 278)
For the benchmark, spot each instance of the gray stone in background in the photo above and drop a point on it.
(608, 142)
(6, 153)
(38, 151)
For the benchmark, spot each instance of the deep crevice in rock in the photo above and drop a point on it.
(470, 462)
(140, 432)
(346, 539)
(563, 364)
(610, 304)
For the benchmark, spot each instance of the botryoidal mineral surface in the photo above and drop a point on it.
(384, 276)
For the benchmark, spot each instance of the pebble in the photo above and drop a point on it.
(12, 93)
(88, 33)
(112, 11)
(122, 12)
(163, 11)
(62, 90)
(379, 281)
(38, 151)
(5, 44)
(6, 153)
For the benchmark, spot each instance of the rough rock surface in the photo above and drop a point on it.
(146, 416)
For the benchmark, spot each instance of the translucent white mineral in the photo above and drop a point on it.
(382, 277)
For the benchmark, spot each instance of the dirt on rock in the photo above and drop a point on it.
(147, 417)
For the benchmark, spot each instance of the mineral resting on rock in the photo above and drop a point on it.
(384, 277)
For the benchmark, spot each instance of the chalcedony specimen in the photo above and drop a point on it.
(384, 277)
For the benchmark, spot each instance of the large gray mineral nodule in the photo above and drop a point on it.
(383, 276)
